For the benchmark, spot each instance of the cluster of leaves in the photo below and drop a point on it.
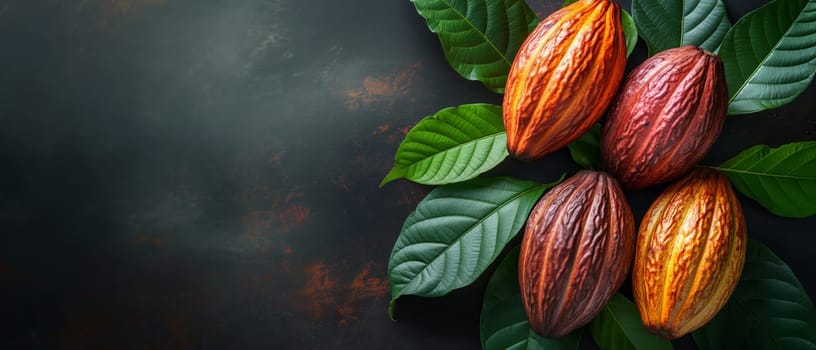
(463, 225)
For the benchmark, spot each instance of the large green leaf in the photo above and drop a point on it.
(503, 323)
(769, 55)
(781, 179)
(618, 327)
(479, 37)
(768, 310)
(665, 24)
(456, 232)
(453, 145)
(586, 150)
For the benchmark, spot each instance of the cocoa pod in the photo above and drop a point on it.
(690, 253)
(563, 77)
(666, 117)
(577, 249)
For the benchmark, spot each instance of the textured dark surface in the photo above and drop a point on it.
(202, 174)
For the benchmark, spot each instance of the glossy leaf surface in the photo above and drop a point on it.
(781, 179)
(456, 232)
(453, 145)
(769, 309)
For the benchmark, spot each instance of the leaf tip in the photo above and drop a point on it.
(391, 305)
(394, 174)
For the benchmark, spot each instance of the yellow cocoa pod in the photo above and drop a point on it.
(690, 253)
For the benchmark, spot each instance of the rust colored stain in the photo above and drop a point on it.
(294, 215)
(287, 250)
(390, 134)
(323, 297)
(404, 130)
(283, 215)
(319, 290)
(346, 313)
(283, 220)
(382, 89)
(155, 242)
(366, 286)
(379, 130)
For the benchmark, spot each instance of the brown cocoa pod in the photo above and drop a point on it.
(577, 249)
(666, 117)
(690, 253)
(563, 77)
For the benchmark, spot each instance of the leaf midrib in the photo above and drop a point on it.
(465, 232)
(755, 173)
(472, 141)
(768, 55)
(483, 35)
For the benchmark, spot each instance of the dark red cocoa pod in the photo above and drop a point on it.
(577, 249)
(666, 117)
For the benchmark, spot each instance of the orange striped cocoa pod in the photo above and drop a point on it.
(668, 114)
(577, 249)
(563, 77)
(690, 253)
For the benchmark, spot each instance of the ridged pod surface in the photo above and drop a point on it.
(577, 249)
(690, 252)
(668, 114)
(563, 77)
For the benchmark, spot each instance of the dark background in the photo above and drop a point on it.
(202, 174)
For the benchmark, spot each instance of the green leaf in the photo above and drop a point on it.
(769, 55)
(629, 28)
(618, 327)
(782, 179)
(586, 151)
(456, 232)
(479, 37)
(503, 323)
(453, 145)
(768, 310)
(629, 31)
(665, 24)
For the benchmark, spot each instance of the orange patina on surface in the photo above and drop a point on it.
(382, 89)
(283, 215)
(323, 296)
